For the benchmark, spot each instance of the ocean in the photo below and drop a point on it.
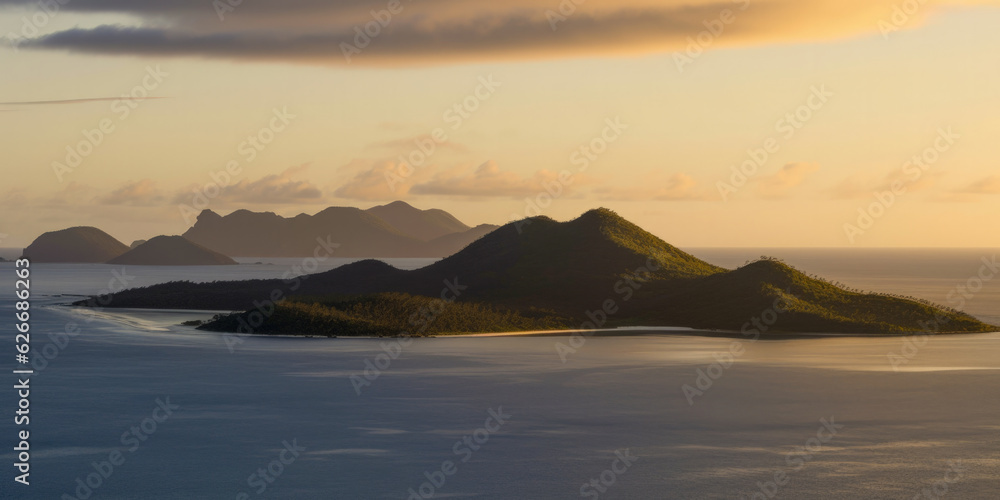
(132, 405)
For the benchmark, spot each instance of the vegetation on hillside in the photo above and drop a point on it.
(387, 314)
(598, 270)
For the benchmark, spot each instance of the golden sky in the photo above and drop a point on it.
(855, 122)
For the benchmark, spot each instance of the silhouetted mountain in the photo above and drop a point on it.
(424, 225)
(136, 243)
(171, 251)
(452, 243)
(75, 245)
(359, 233)
(598, 268)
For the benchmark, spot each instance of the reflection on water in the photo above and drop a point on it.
(757, 413)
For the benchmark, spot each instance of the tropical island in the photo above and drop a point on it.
(597, 271)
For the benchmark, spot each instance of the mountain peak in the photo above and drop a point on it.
(423, 224)
(603, 217)
(207, 215)
(399, 204)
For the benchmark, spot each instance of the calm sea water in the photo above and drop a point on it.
(825, 418)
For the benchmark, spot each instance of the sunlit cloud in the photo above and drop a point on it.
(443, 31)
(488, 181)
(375, 182)
(779, 184)
(141, 193)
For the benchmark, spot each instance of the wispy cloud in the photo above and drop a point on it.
(859, 187)
(486, 181)
(988, 185)
(779, 184)
(656, 187)
(275, 189)
(73, 101)
(139, 193)
(378, 181)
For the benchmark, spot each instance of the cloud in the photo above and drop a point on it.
(676, 187)
(487, 181)
(862, 187)
(74, 194)
(72, 101)
(140, 193)
(275, 189)
(988, 185)
(377, 181)
(412, 143)
(790, 176)
(444, 31)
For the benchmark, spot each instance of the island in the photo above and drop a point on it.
(597, 271)
(75, 245)
(172, 251)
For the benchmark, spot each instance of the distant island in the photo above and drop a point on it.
(597, 271)
(171, 251)
(396, 230)
(89, 245)
(86, 245)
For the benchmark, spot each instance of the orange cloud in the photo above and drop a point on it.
(140, 193)
(489, 181)
(441, 31)
(790, 176)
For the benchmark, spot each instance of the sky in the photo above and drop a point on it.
(746, 123)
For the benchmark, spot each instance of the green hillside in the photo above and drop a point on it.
(598, 265)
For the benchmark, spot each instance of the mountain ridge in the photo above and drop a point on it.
(568, 272)
(360, 233)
